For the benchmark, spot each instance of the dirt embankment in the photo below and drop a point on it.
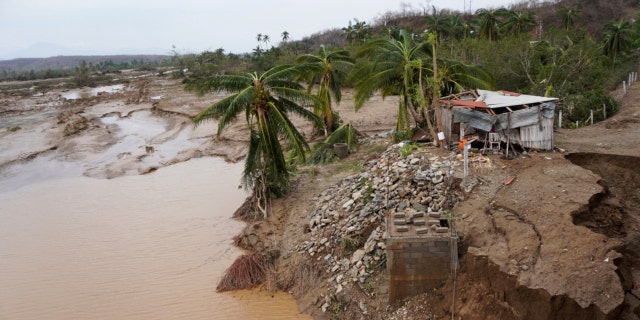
(559, 242)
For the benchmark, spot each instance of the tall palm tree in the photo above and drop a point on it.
(285, 36)
(349, 32)
(617, 38)
(257, 51)
(489, 24)
(395, 68)
(517, 23)
(329, 71)
(361, 30)
(568, 17)
(266, 100)
(438, 24)
(358, 32)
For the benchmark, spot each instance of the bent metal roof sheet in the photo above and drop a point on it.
(498, 99)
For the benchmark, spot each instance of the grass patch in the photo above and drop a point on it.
(306, 276)
(348, 245)
(407, 149)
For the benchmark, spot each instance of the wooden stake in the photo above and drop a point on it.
(604, 111)
(508, 133)
(591, 116)
(560, 119)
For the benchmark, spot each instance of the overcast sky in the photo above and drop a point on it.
(41, 28)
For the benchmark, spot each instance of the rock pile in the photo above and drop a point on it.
(346, 225)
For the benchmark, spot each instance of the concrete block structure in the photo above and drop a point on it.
(420, 256)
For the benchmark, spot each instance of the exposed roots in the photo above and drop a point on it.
(246, 272)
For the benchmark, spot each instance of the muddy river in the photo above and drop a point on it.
(134, 247)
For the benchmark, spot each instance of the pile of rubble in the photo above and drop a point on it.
(346, 225)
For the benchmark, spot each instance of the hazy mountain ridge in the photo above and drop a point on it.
(66, 62)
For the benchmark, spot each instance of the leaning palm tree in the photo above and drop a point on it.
(266, 100)
(395, 67)
(329, 71)
(617, 38)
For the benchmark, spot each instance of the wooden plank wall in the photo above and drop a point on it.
(447, 123)
(533, 137)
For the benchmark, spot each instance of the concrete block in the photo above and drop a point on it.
(419, 222)
(422, 230)
(398, 215)
(402, 229)
(442, 229)
(400, 222)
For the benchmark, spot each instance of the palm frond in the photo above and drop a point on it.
(323, 151)
(216, 83)
(290, 134)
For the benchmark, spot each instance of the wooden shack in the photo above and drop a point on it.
(515, 118)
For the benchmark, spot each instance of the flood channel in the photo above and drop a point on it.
(134, 247)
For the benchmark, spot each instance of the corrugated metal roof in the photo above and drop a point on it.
(496, 99)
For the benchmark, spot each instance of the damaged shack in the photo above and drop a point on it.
(499, 118)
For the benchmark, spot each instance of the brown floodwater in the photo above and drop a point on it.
(134, 247)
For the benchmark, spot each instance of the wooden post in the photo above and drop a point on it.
(576, 124)
(591, 116)
(624, 88)
(604, 111)
(560, 119)
(506, 155)
(465, 152)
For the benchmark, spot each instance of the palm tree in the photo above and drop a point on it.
(285, 36)
(356, 32)
(517, 23)
(489, 24)
(617, 38)
(349, 32)
(361, 30)
(438, 24)
(568, 17)
(257, 51)
(266, 100)
(396, 68)
(329, 71)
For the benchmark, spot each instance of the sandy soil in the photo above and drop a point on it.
(560, 242)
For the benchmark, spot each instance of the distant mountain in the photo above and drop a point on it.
(66, 62)
(47, 49)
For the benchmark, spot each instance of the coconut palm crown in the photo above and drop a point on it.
(329, 71)
(266, 100)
